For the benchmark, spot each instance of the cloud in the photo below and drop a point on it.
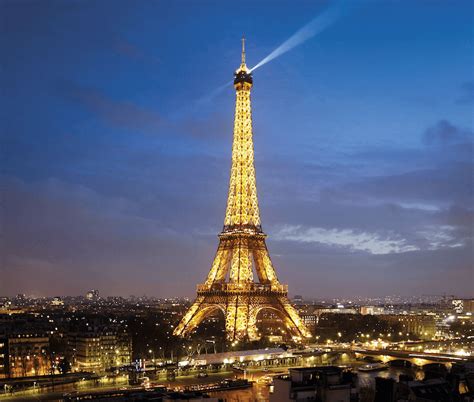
(442, 142)
(420, 206)
(135, 118)
(467, 93)
(443, 186)
(426, 237)
(124, 48)
(207, 129)
(62, 238)
(117, 222)
(116, 113)
(438, 237)
(437, 175)
(444, 133)
(353, 240)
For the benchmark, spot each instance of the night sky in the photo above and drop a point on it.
(115, 160)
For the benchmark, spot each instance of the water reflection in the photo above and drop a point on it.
(260, 392)
(367, 379)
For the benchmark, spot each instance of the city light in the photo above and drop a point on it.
(116, 177)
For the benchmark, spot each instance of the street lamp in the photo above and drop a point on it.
(153, 359)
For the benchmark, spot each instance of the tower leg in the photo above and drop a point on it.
(237, 318)
(292, 319)
(252, 323)
(230, 318)
(199, 310)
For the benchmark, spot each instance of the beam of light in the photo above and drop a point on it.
(214, 93)
(311, 29)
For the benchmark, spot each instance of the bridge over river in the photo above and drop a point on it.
(416, 358)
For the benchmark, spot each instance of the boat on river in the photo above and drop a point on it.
(373, 367)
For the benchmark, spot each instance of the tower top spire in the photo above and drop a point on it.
(243, 74)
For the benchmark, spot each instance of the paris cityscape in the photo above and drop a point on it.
(298, 228)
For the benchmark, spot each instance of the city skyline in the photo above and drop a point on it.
(116, 162)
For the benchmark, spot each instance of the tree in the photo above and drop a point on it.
(36, 365)
(356, 327)
(64, 366)
(24, 365)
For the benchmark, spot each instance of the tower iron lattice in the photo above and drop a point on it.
(230, 285)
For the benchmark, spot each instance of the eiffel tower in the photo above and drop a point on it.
(230, 285)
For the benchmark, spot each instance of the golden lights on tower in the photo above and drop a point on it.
(230, 285)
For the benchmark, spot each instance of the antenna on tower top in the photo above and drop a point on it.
(243, 74)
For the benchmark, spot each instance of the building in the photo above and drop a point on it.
(334, 310)
(3, 358)
(85, 351)
(27, 355)
(371, 310)
(468, 306)
(57, 301)
(463, 306)
(458, 306)
(433, 390)
(246, 358)
(99, 349)
(298, 300)
(324, 384)
(310, 320)
(421, 325)
(92, 295)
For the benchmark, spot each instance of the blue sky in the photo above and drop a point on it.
(115, 159)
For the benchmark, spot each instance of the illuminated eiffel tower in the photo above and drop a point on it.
(230, 285)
